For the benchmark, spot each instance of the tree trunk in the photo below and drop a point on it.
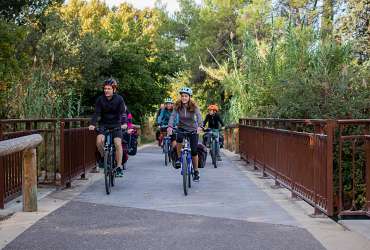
(327, 18)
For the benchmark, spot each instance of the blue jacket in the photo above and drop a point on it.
(164, 118)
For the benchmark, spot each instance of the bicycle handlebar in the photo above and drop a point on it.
(107, 130)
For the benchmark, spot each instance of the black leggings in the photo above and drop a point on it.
(193, 142)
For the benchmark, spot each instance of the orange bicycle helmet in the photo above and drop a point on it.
(213, 107)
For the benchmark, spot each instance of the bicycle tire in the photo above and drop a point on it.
(169, 156)
(189, 176)
(185, 174)
(165, 159)
(112, 179)
(213, 154)
(107, 173)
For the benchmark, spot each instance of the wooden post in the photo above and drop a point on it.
(27, 145)
(29, 181)
(367, 150)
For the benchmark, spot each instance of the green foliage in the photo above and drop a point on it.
(75, 47)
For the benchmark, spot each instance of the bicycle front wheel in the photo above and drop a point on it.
(107, 172)
(214, 153)
(185, 173)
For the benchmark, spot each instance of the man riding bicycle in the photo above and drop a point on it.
(214, 121)
(190, 121)
(109, 109)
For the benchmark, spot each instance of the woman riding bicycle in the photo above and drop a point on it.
(164, 118)
(190, 121)
(165, 113)
(214, 121)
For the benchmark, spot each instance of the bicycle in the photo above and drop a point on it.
(187, 170)
(167, 149)
(214, 135)
(110, 165)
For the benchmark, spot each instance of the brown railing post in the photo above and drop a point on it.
(237, 148)
(55, 151)
(62, 158)
(84, 133)
(29, 180)
(331, 124)
(367, 148)
(226, 138)
(2, 183)
(1, 131)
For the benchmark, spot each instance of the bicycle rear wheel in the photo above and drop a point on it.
(107, 172)
(189, 176)
(169, 155)
(112, 178)
(166, 159)
(214, 153)
(185, 173)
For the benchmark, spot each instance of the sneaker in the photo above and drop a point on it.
(119, 172)
(196, 176)
(177, 164)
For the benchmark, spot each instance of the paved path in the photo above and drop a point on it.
(148, 210)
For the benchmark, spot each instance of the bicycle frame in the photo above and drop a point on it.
(110, 165)
(186, 163)
(214, 144)
(108, 144)
(186, 149)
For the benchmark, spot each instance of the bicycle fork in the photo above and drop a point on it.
(189, 161)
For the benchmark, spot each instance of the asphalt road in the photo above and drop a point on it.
(148, 210)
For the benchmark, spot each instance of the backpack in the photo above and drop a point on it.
(124, 152)
(132, 143)
(202, 155)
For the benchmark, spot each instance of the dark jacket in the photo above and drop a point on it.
(108, 113)
(214, 121)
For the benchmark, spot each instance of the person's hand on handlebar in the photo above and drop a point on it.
(169, 130)
(91, 127)
(199, 129)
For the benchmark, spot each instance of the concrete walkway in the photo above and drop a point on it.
(227, 209)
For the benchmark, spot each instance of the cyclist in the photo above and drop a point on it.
(109, 109)
(130, 137)
(165, 113)
(190, 120)
(158, 132)
(214, 121)
(164, 118)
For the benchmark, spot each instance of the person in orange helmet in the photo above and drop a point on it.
(215, 123)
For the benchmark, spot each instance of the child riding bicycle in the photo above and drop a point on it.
(214, 121)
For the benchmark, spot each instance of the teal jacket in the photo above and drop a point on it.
(164, 118)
